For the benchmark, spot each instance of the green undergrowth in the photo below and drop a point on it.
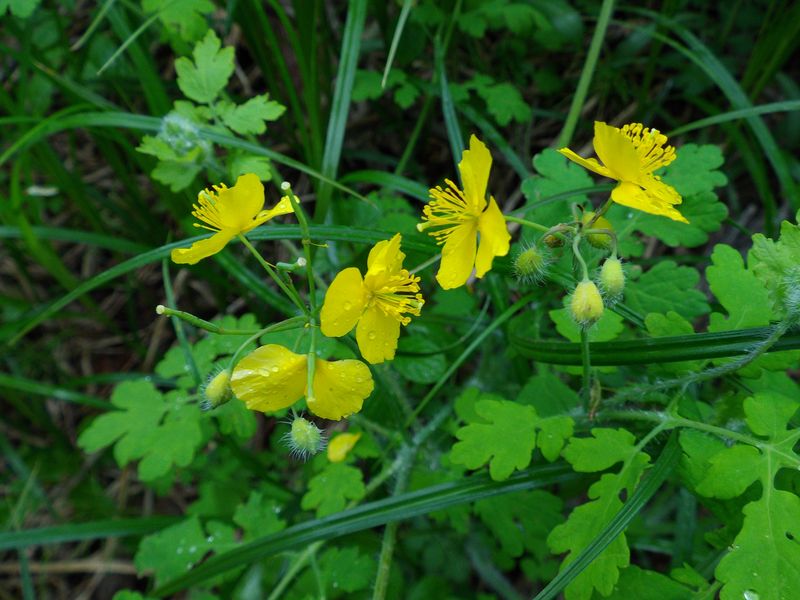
(518, 445)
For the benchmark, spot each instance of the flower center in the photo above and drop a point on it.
(447, 210)
(649, 144)
(399, 295)
(206, 209)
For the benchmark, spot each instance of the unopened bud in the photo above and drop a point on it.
(612, 279)
(530, 265)
(304, 438)
(217, 391)
(341, 445)
(553, 241)
(160, 309)
(586, 304)
(598, 240)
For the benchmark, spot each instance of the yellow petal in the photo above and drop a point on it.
(494, 238)
(377, 335)
(340, 446)
(587, 163)
(386, 254)
(239, 205)
(203, 248)
(283, 207)
(385, 260)
(474, 167)
(617, 152)
(270, 378)
(458, 255)
(345, 300)
(340, 388)
(631, 195)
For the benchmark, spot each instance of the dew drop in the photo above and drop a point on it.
(347, 305)
(274, 369)
(193, 549)
(751, 595)
(371, 335)
(210, 539)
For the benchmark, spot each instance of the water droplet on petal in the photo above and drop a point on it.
(371, 335)
(347, 305)
(274, 369)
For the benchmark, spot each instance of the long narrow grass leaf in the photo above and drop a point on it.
(366, 516)
(652, 482)
(75, 532)
(340, 106)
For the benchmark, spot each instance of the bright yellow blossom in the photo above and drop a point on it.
(340, 446)
(272, 377)
(631, 155)
(228, 212)
(376, 305)
(459, 217)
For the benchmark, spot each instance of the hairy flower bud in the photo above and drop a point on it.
(612, 279)
(598, 240)
(586, 304)
(217, 391)
(304, 438)
(530, 265)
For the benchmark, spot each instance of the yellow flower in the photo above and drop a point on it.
(378, 303)
(631, 155)
(229, 212)
(458, 217)
(341, 445)
(271, 378)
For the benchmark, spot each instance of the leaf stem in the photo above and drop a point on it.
(527, 223)
(291, 294)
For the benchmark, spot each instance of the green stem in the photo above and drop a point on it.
(201, 323)
(586, 74)
(579, 257)
(526, 223)
(587, 368)
(305, 231)
(297, 566)
(291, 294)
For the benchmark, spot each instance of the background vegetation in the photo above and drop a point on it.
(114, 116)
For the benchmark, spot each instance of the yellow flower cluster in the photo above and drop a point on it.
(472, 231)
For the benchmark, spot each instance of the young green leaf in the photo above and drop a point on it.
(250, 117)
(186, 17)
(555, 175)
(764, 559)
(605, 448)
(667, 287)
(776, 265)
(161, 430)
(329, 491)
(204, 78)
(258, 517)
(522, 521)
(174, 550)
(346, 570)
(506, 436)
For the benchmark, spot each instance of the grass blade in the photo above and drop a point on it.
(366, 516)
(654, 350)
(340, 106)
(75, 532)
(652, 482)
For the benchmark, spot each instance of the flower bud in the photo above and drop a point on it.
(341, 445)
(586, 304)
(553, 241)
(612, 279)
(598, 240)
(530, 265)
(304, 438)
(217, 391)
